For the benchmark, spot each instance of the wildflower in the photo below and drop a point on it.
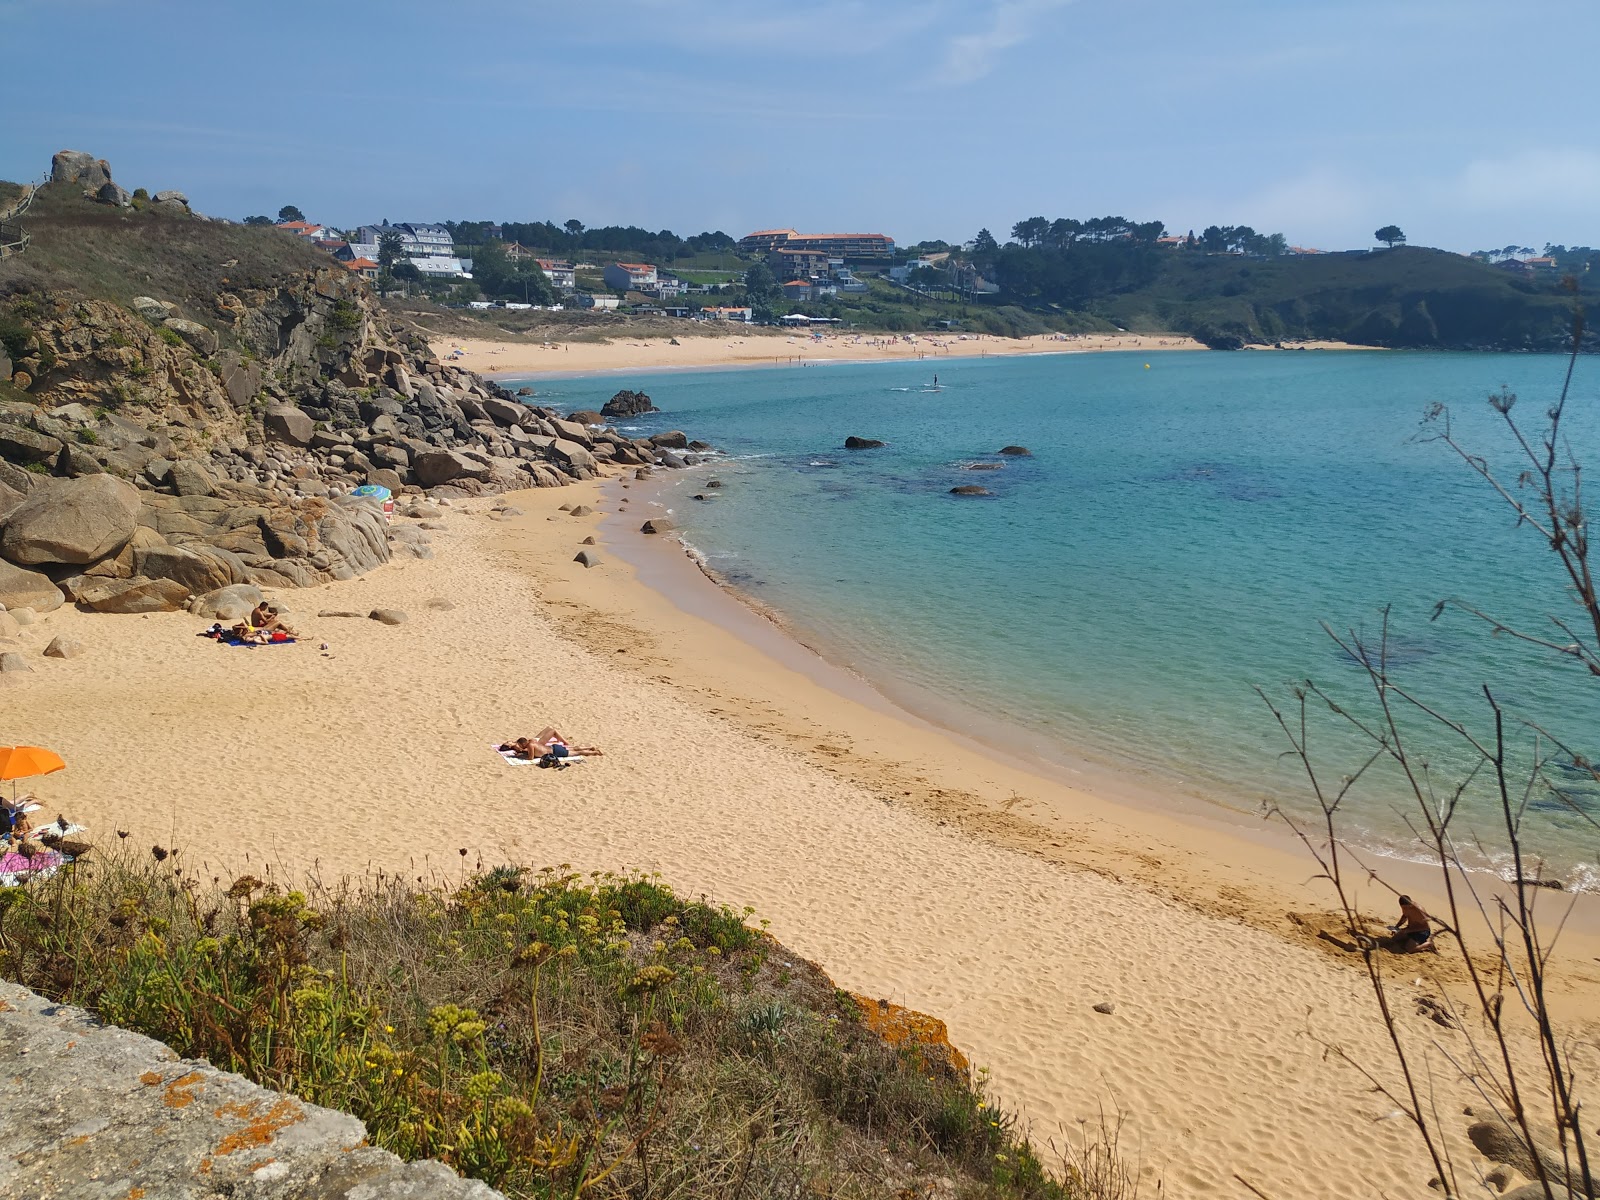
(483, 1085)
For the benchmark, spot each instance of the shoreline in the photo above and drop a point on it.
(910, 865)
(510, 358)
(675, 568)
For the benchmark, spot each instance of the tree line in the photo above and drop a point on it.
(572, 238)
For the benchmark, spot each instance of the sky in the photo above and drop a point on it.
(1462, 121)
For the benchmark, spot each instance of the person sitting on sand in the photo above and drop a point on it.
(1415, 930)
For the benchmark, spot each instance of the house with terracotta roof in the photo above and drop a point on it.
(560, 274)
(631, 277)
(363, 267)
(797, 290)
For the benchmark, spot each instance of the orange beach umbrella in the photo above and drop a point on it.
(24, 762)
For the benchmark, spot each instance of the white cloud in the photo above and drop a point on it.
(971, 56)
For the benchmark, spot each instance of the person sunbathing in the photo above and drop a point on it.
(549, 742)
(554, 742)
(521, 748)
(245, 632)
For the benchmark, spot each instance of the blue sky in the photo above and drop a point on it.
(1464, 121)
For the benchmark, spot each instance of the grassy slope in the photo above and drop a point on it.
(116, 254)
(548, 1034)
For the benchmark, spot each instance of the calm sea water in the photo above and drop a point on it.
(1177, 536)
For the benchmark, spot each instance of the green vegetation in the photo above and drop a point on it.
(116, 254)
(169, 336)
(344, 316)
(549, 1034)
(1390, 235)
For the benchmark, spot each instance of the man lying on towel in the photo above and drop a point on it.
(550, 743)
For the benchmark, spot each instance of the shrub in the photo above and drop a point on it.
(170, 336)
(547, 1034)
(344, 317)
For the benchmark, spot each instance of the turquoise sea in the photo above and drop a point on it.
(1176, 537)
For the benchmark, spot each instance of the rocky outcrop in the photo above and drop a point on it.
(75, 168)
(1016, 451)
(861, 443)
(627, 404)
(204, 441)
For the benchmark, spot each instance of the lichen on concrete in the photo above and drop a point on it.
(93, 1112)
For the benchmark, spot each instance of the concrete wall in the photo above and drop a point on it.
(92, 1112)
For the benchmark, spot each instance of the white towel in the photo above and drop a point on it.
(509, 758)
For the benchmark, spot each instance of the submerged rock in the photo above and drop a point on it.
(861, 443)
(970, 489)
(1016, 451)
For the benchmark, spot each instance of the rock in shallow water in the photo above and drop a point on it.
(861, 443)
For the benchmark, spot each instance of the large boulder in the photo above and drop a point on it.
(444, 466)
(196, 334)
(572, 454)
(290, 425)
(75, 521)
(573, 432)
(74, 166)
(228, 603)
(152, 309)
(136, 595)
(628, 404)
(113, 193)
(27, 446)
(356, 531)
(861, 443)
(503, 412)
(199, 568)
(673, 439)
(189, 478)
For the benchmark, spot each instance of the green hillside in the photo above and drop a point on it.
(1402, 297)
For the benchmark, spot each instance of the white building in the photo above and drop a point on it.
(429, 248)
(585, 300)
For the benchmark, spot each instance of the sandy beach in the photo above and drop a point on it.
(770, 348)
(750, 348)
(909, 863)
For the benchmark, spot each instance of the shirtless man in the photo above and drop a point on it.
(1415, 929)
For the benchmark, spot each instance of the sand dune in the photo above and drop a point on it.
(895, 857)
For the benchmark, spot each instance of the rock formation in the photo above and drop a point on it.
(176, 445)
(627, 404)
(861, 443)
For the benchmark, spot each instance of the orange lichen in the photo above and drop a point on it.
(927, 1037)
(265, 1162)
(134, 1193)
(79, 1140)
(180, 1092)
(260, 1128)
(150, 1078)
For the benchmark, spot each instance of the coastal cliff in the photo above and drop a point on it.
(228, 387)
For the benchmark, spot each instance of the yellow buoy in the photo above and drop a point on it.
(1147, 366)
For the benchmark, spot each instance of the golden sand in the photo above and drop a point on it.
(910, 863)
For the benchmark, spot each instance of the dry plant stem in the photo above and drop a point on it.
(1522, 952)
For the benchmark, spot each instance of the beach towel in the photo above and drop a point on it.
(16, 869)
(510, 758)
(233, 641)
